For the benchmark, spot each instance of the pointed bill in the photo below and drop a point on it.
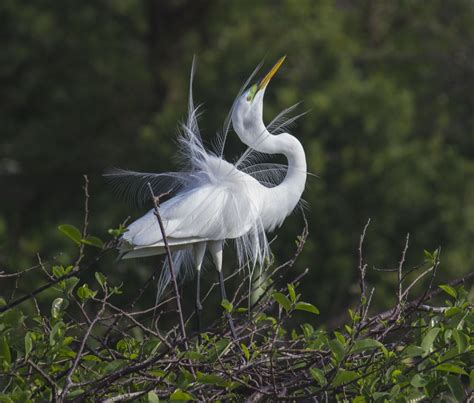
(270, 74)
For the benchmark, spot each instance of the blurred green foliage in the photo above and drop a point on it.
(390, 129)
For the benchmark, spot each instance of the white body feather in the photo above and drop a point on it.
(218, 205)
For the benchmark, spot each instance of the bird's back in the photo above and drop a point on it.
(222, 203)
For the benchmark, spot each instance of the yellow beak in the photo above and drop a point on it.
(270, 74)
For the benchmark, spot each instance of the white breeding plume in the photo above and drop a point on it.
(215, 200)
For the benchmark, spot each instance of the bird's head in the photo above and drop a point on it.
(247, 115)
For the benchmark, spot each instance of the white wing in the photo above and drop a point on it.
(208, 211)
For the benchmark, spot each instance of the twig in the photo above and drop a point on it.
(435, 309)
(43, 268)
(137, 323)
(86, 206)
(433, 275)
(415, 304)
(74, 272)
(170, 265)
(367, 305)
(415, 281)
(362, 267)
(68, 383)
(399, 275)
(86, 219)
(51, 383)
(3, 274)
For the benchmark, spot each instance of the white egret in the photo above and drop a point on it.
(216, 200)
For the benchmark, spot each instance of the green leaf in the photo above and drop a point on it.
(192, 355)
(246, 351)
(13, 318)
(151, 346)
(291, 291)
(365, 344)
(337, 348)
(56, 307)
(447, 367)
(449, 290)
(227, 305)
(308, 330)
(451, 311)
(283, 300)
(413, 351)
(5, 355)
(101, 279)
(428, 255)
(184, 379)
(58, 271)
(461, 340)
(429, 339)
(448, 355)
(81, 292)
(70, 283)
(348, 329)
(84, 292)
(344, 376)
(116, 232)
(28, 343)
(471, 378)
(178, 394)
(56, 331)
(93, 241)
(210, 379)
(218, 349)
(115, 365)
(306, 306)
(90, 357)
(71, 232)
(5, 399)
(340, 337)
(378, 396)
(418, 381)
(456, 387)
(395, 374)
(318, 376)
(152, 397)
(395, 392)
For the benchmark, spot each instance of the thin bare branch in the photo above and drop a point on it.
(170, 265)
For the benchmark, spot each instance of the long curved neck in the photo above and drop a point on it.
(292, 149)
(289, 191)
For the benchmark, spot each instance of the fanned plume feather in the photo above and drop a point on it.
(183, 269)
(132, 186)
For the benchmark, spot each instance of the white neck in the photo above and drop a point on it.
(283, 198)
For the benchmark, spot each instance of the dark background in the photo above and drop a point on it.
(390, 131)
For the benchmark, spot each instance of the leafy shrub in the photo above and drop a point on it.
(85, 347)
